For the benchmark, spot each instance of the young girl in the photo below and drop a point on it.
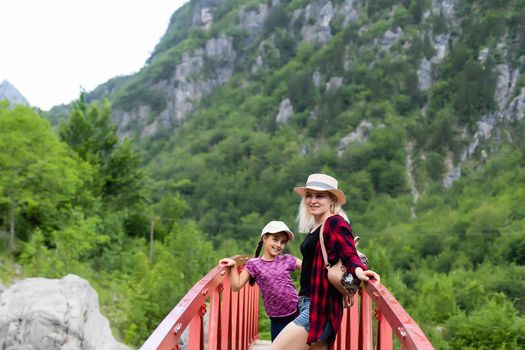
(271, 271)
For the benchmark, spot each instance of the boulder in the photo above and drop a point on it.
(47, 314)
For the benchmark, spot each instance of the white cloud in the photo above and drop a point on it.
(50, 49)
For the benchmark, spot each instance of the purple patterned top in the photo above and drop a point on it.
(273, 277)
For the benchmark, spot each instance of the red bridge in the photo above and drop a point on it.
(233, 319)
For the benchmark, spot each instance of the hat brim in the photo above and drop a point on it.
(288, 233)
(341, 198)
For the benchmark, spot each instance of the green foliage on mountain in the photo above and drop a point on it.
(461, 257)
(454, 257)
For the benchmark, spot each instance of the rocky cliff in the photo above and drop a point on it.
(196, 72)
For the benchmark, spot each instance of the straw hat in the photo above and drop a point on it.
(322, 182)
(277, 226)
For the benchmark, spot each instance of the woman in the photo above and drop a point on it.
(320, 304)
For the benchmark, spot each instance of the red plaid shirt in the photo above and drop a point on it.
(326, 304)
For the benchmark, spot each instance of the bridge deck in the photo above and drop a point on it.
(261, 345)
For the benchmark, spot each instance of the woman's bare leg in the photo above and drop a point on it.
(319, 346)
(292, 337)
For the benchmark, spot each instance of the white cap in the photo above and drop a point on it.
(277, 226)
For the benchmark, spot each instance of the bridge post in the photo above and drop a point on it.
(384, 332)
(226, 316)
(196, 336)
(214, 327)
(365, 329)
(354, 324)
(235, 321)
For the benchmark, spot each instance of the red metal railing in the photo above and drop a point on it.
(233, 319)
(356, 331)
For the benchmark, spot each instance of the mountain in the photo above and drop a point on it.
(439, 81)
(10, 93)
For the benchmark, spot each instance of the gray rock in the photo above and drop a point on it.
(334, 83)
(453, 174)
(359, 135)
(10, 93)
(516, 108)
(483, 55)
(444, 7)
(348, 8)
(507, 80)
(441, 47)
(253, 20)
(258, 64)
(285, 111)
(424, 74)
(390, 38)
(317, 17)
(203, 12)
(47, 314)
(487, 126)
(316, 77)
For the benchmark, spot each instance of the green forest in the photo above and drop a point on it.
(76, 196)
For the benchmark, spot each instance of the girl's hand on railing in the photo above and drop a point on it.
(227, 262)
(366, 275)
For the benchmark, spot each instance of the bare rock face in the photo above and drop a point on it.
(424, 74)
(318, 15)
(47, 314)
(253, 20)
(203, 12)
(285, 112)
(196, 76)
(359, 135)
(389, 38)
(10, 93)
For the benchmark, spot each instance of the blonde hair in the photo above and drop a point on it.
(306, 221)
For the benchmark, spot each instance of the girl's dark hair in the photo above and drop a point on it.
(257, 252)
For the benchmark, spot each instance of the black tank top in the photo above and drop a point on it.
(308, 251)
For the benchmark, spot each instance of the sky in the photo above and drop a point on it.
(52, 49)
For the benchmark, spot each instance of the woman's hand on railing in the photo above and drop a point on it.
(366, 275)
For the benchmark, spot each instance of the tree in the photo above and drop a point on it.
(475, 87)
(37, 176)
(301, 91)
(497, 325)
(91, 134)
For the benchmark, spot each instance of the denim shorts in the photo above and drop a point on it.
(303, 320)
